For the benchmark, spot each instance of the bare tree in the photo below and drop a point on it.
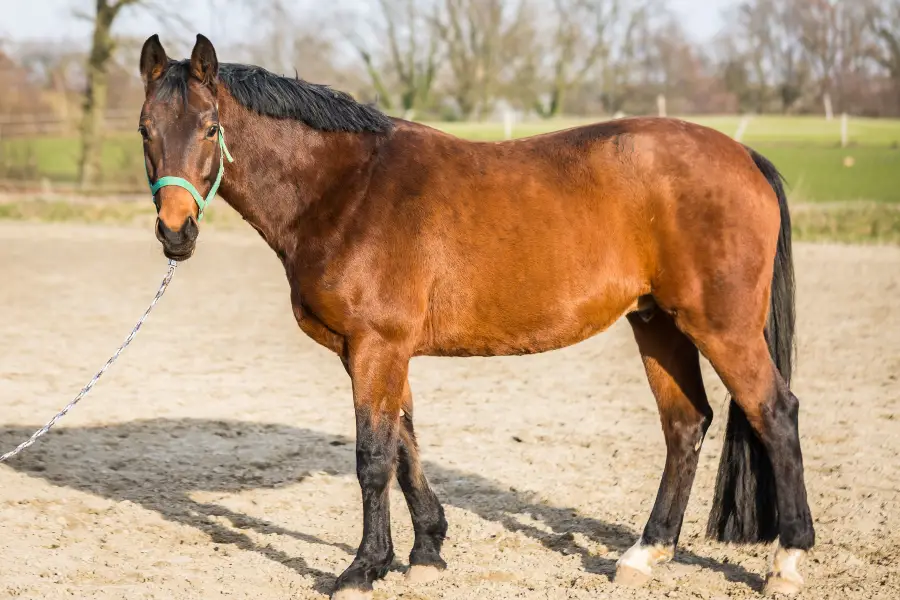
(732, 70)
(296, 44)
(833, 35)
(59, 69)
(883, 20)
(768, 37)
(625, 72)
(412, 57)
(275, 47)
(820, 24)
(580, 39)
(675, 70)
(482, 38)
(790, 68)
(102, 47)
(754, 34)
(317, 57)
(21, 96)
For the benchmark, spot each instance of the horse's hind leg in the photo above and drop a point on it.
(673, 369)
(747, 370)
(760, 492)
(429, 524)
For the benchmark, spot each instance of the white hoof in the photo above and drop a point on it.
(423, 574)
(635, 567)
(784, 576)
(351, 594)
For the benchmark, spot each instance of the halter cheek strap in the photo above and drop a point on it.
(202, 202)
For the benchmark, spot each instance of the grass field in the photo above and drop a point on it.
(806, 149)
(847, 194)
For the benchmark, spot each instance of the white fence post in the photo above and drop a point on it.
(508, 119)
(844, 130)
(661, 105)
(742, 128)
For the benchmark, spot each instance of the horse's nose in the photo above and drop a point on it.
(178, 243)
(186, 233)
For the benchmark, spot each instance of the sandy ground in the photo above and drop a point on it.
(216, 458)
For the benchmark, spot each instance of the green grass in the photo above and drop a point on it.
(819, 174)
(849, 222)
(52, 211)
(805, 149)
(56, 158)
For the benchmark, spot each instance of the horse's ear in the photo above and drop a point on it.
(204, 64)
(153, 60)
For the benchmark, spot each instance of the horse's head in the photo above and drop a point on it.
(183, 142)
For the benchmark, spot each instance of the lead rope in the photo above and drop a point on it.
(84, 391)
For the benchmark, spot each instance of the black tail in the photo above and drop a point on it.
(744, 508)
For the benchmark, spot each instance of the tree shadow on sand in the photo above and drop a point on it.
(159, 463)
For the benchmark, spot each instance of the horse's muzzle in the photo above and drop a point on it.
(178, 244)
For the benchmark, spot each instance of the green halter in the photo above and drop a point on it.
(202, 202)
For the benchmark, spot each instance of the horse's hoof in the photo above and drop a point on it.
(780, 585)
(784, 577)
(423, 573)
(631, 577)
(635, 567)
(351, 594)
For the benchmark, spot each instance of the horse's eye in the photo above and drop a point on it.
(144, 133)
(212, 131)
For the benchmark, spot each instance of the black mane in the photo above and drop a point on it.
(271, 95)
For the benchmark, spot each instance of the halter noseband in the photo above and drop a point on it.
(181, 182)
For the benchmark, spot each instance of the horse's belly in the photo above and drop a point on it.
(523, 328)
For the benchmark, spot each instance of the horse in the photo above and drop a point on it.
(399, 240)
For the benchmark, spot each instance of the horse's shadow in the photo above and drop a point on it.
(159, 463)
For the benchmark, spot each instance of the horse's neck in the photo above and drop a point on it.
(282, 169)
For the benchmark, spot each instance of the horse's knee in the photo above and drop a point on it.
(690, 429)
(375, 462)
(684, 432)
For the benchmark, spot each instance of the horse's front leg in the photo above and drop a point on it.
(378, 369)
(425, 562)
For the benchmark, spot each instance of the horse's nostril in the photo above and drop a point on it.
(163, 233)
(190, 229)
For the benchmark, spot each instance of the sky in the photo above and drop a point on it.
(38, 20)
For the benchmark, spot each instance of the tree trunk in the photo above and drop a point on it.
(553, 108)
(384, 95)
(95, 96)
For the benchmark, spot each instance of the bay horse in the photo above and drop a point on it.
(399, 240)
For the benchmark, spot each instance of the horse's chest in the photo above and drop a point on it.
(312, 324)
(318, 331)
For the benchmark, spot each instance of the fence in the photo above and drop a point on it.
(24, 125)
